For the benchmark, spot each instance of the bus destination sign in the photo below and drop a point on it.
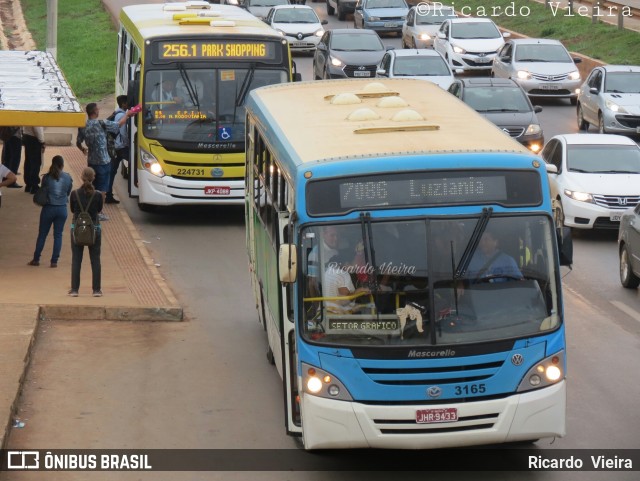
(216, 50)
(424, 188)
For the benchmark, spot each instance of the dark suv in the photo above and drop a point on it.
(504, 103)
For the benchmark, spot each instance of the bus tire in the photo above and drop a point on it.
(342, 15)
(330, 9)
(270, 356)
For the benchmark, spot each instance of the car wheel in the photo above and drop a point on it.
(627, 278)
(342, 15)
(330, 9)
(558, 215)
(582, 123)
(573, 100)
(601, 129)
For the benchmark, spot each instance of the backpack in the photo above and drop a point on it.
(83, 230)
(7, 132)
(111, 141)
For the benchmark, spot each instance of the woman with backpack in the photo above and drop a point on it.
(54, 212)
(86, 200)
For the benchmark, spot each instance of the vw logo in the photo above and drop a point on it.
(299, 36)
(434, 391)
(361, 67)
(217, 172)
(517, 359)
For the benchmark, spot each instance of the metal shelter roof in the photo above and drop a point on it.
(33, 91)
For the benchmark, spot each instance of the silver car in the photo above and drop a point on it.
(542, 67)
(629, 248)
(610, 100)
(422, 23)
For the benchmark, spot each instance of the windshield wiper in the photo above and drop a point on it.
(501, 110)
(474, 240)
(193, 93)
(615, 172)
(370, 257)
(532, 60)
(244, 89)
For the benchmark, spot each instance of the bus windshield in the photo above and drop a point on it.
(429, 281)
(204, 106)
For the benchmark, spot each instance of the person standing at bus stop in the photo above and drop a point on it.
(122, 146)
(34, 145)
(94, 135)
(12, 151)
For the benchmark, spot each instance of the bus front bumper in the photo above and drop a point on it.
(528, 416)
(165, 191)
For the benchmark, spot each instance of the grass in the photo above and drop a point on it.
(87, 44)
(87, 40)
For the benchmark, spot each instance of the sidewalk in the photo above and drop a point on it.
(133, 288)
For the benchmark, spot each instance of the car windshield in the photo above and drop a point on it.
(266, 3)
(385, 4)
(474, 30)
(406, 282)
(603, 159)
(420, 65)
(496, 99)
(356, 41)
(622, 82)
(295, 15)
(433, 17)
(202, 106)
(542, 53)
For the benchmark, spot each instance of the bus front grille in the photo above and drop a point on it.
(412, 376)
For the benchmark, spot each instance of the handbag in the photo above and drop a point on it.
(41, 197)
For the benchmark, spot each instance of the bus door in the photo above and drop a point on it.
(133, 99)
(290, 375)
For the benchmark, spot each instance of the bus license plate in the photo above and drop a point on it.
(615, 216)
(442, 415)
(217, 190)
(362, 73)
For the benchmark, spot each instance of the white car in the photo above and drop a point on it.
(299, 24)
(469, 43)
(597, 179)
(542, 67)
(423, 64)
(421, 25)
(610, 100)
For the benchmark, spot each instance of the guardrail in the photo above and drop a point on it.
(600, 9)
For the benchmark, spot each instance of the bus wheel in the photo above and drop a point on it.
(270, 357)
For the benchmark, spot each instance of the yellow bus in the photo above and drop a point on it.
(190, 66)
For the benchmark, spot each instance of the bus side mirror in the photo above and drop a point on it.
(565, 246)
(288, 263)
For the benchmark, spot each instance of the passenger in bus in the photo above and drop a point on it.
(192, 95)
(338, 283)
(166, 92)
(490, 262)
(322, 252)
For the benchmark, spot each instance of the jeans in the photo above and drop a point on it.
(77, 253)
(32, 161)
(103, 174)
(115, 163)
(56, 215)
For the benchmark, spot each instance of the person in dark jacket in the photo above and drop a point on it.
(80, 197)
(54, 212)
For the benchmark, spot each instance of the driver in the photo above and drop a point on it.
(490, 262)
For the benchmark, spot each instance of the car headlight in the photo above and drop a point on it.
(336, 62)
(575, 75)
(319, 33)
(150, 163)
(533, 129)
(614, 107)
(323, 384)
(280, 32)
(457, 49)
(545, 373)
(424, 36)
(579, 196)
(374, 19)
(523, 75)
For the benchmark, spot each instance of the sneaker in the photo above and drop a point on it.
(102, 217)
(54, 264)
(73, 293)
(111, 200)
(33, 262)
(97, 293)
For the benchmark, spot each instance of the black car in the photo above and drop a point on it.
(348, 52)
(629, 248)
(504, 103)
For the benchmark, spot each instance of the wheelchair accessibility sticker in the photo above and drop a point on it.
(224, 133)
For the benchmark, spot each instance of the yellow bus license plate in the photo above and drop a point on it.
(210, 190)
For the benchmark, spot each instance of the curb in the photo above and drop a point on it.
(103, 313)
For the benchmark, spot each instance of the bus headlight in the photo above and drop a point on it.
(545, 373)
(320, 383)
(150, 163)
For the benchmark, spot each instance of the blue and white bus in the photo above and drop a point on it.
(406, 268)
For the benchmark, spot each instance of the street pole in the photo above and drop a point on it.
(52, 27)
